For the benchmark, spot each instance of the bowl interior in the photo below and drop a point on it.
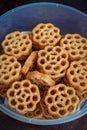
(24, 18)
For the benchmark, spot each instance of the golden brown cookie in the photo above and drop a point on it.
(10, 70)
(61, 100)
(75, 45)
(44, 81)
(17, 44)
(45, 34)
(76, 75)
(30, 62)
(53, 61)
(23, 96)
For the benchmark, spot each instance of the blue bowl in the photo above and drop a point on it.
(24, 18)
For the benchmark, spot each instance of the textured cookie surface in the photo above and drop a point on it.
(45, 34)
(53, 61)
(23, 96)
(17, 44)
(10, 70)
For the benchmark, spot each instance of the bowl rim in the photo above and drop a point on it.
(42, 3)
(16, 116)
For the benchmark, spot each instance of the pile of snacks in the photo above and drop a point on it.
(43, 74)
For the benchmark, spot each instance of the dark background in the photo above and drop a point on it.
(7, 123)
(6, 5)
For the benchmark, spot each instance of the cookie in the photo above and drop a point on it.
(23, 96)
(76, 75)
(10, 70)
(30, 62)
(45, 34)
(53, 61)
(61, 100)
(75, 45)
(17, 44)
(44, 81)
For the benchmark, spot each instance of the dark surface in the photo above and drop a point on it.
(7, 123)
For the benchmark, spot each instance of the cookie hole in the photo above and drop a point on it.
(12, 60)
(37, 37)
(49, 26)
(30, 105)
(28, 99)
(75, 65)
(51, 41)
(42, 26)
(64, 95)
(43, 53)
(63, 56)
(35, 98)
(19, 92)
(67, 102)
(53, 109)
(56, 68)
(58, 58)
(82, 84)
(81, 52)
(62, 112)
(84, 47)
(26, 91)
(61, 88)
(48, 67)
(65, 42)
(9, 37)
(6, 77)
(72, 72)
(49, 49)
(55, 36)
(21, 107)
(26, 84)
(20, 100)
(70, 92)
(43, 41)
(84, 41)
(17, 86)
(57, 98)
(24, 36)
(53, 92)
(27, 43)
(9, 49)
(16, 66)
(77, 36)
(17, 34)
(83, 63)
(73, 53)
(14, 73)
(57, 49)
(81, 78)
(67, 48)
(49, 100)
(63, 63)
(73, 100)
(69, 37)
(59, 105)
(33, 89)
(23, 95)
(24, 49)
(42, 61)
(13, 102)
(6, 43)
(16, 52)
(55, 30)
(70, 108)
(11, 93)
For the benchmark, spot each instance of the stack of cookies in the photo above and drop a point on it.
(43, 74)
